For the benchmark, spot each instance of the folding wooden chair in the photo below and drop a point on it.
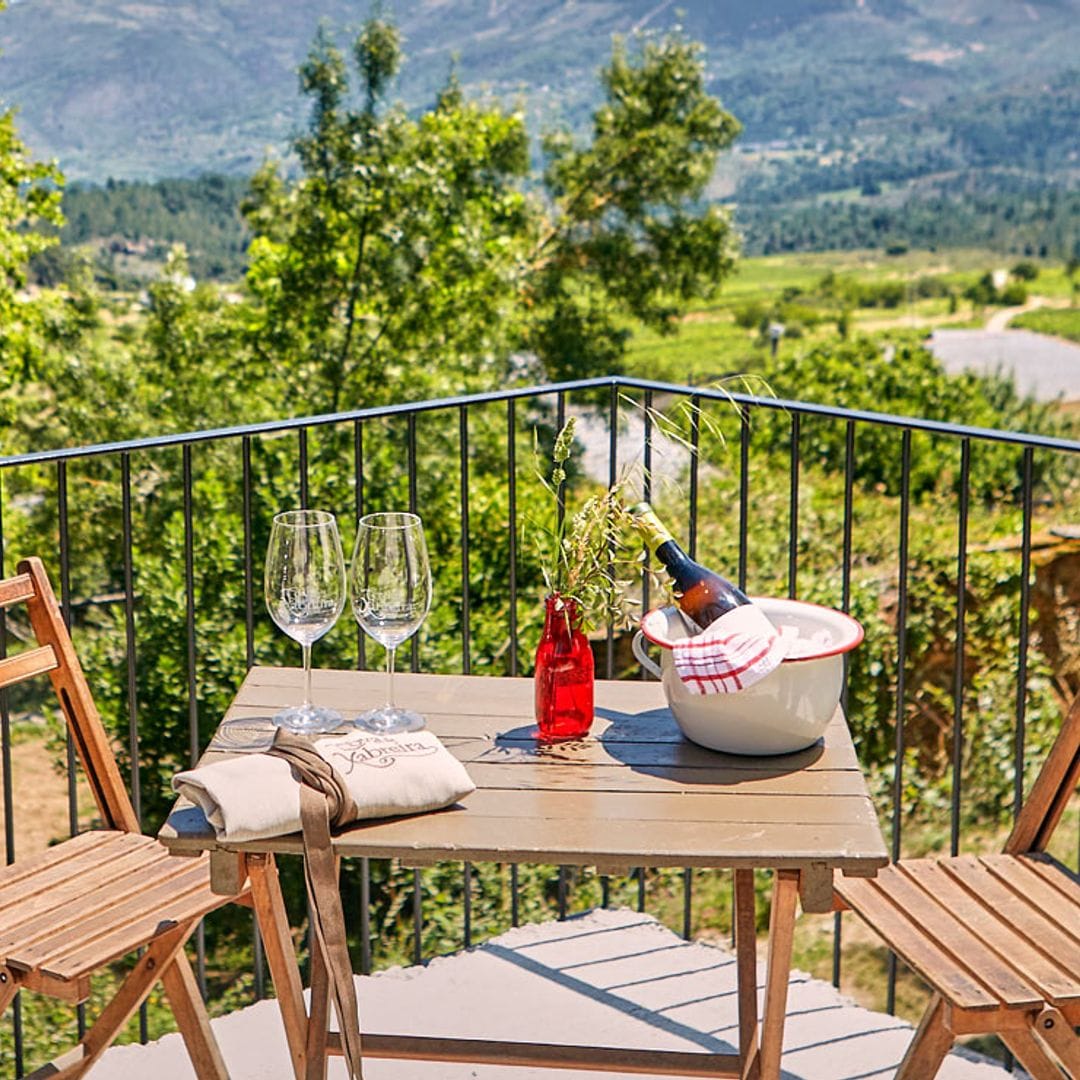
(90, 900)
(997, 937)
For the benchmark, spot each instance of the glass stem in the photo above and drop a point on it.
(390, 677)
(307, 676)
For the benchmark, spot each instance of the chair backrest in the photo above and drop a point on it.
(55, 656)
(1052, 790)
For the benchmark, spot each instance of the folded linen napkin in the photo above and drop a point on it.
(253, 796)
(733, 652)
(310, 786)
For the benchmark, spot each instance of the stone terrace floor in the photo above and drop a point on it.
(615, 978)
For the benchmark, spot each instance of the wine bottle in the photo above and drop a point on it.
(702, 594)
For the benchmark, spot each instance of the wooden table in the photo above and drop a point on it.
(635, 793)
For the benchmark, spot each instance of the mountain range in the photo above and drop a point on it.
(846, 92)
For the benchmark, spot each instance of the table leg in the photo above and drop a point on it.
(746, 968)
(781, 934)
(280, 955)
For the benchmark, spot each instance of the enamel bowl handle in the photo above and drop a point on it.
(638, 647)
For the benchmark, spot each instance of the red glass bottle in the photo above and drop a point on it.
(564, 674)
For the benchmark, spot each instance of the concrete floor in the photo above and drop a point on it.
(614, 978)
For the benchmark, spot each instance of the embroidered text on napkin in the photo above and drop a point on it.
(253, 796)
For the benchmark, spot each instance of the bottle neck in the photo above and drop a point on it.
(653, 530)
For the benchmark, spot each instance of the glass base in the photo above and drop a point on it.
(308, 719)
(389, 719)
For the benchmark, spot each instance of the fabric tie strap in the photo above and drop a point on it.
(314, 771)
(324, 801)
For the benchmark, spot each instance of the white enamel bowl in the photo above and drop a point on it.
(788, 710)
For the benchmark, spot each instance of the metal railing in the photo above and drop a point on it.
(36, 491)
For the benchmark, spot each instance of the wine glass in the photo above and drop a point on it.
(390, 586)
(305, 594)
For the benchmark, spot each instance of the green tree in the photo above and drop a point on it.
(408, 253)
(1025, 270)
(187, 364)
(398, 250)
(903, 378)
(624, 236)
(1071, 268)
(29, 196)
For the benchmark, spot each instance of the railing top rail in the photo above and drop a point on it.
(810, 408)
(711, 393)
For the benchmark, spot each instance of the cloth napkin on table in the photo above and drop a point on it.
(253, 796)
(311, 786)
(731, 653)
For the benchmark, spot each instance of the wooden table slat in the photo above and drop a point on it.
(705, 809)
(634, 792)
(630, 711)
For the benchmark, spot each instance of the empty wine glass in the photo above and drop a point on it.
(390, 586)
(305, 594)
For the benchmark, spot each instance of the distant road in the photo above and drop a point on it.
(1044, 367)
(1003, 316)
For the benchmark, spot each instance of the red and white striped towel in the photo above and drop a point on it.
(734, 652)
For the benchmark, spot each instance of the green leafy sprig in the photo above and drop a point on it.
(585, 556)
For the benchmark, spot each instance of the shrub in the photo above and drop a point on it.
(1014, 294)
(1025, 270)
(907, 380)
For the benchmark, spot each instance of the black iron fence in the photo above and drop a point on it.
(790, 497)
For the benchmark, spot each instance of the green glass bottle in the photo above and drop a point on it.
(701, 593)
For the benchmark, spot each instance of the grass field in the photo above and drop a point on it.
(708, 343)
(1063, 322)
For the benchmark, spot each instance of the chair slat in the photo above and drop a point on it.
(1027, 921)
(965, 930)
(84, 722)
(1013, 958)
(85, 858)
(1050, 870)
(176, 902)
(16, 590)
(26, 867)
(78, 898)
(1054, 903)
(153, 898)
(935, 965)
(27, 664)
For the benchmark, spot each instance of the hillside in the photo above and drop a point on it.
(833, 94)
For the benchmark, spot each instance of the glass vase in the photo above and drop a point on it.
(564, 674)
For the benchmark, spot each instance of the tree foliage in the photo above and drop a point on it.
(905, 379)
(624, 234)
(410, 245)
(388, 258)
(29, 196)
(123, 218)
